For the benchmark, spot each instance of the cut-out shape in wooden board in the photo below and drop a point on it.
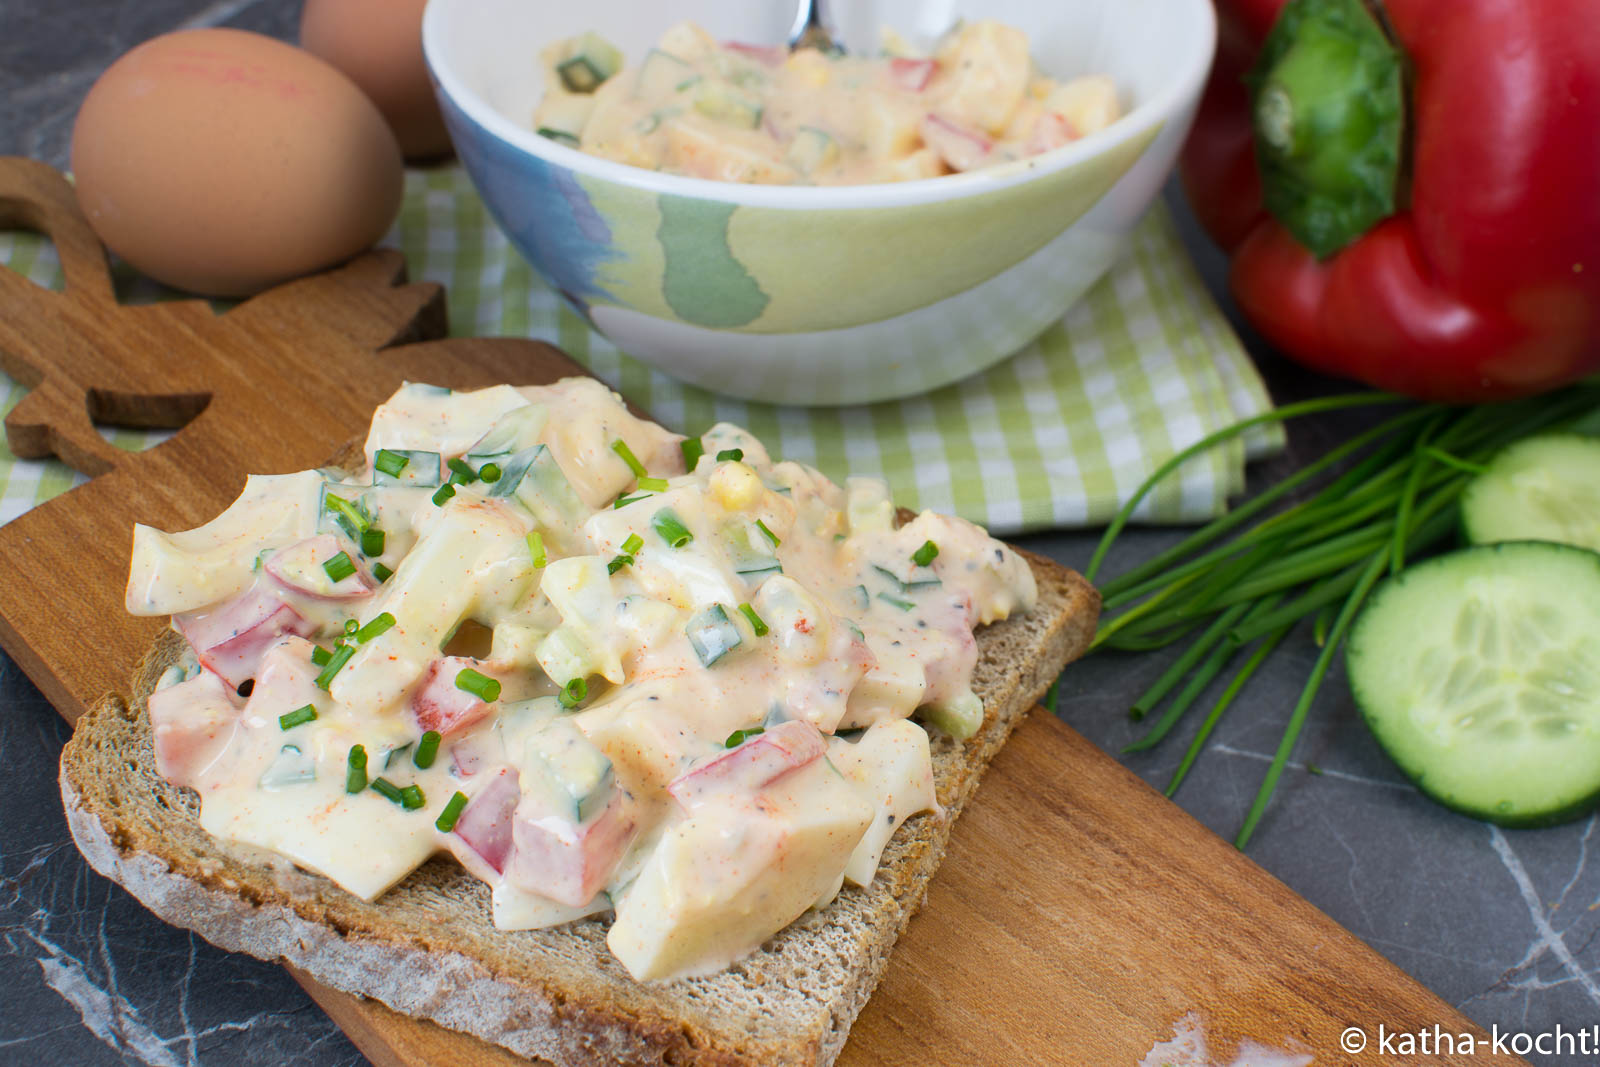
(1079, 914)
(270, 386)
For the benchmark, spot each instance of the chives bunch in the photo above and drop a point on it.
(1236, 591)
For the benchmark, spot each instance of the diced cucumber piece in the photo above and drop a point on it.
(591, 61)
(514, 431)
(581, 770)
(662, 74)
(534, 479)
(722, 102)
(290, 767)
(712, 635)
(811, 150)
(1479, 674)
(1545, 488)
(751, 553)
(559, 136)
(420, 469)
(959, 717)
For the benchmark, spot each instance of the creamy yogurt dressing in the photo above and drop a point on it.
(735, 112)
(632, 675)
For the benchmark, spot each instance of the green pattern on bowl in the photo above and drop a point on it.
(774, 270)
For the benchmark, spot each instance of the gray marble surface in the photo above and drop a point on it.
(1502, 924)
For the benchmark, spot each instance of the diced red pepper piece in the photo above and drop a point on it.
(192, 723)
(949, 675)
(485, 823)
(231, 639)
(571, 862)
(758, 762)
(1050, 130)
(768, 55)
(469, 755)
(439, 704)
(285, 564)
(962, 148)
(912, 75)
(286, 679)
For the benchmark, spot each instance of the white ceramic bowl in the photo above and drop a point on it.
(820, 295)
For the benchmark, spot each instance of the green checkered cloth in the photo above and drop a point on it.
(1059, 435)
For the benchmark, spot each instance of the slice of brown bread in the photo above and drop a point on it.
(427, 948)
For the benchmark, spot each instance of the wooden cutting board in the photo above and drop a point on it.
(1078, 916)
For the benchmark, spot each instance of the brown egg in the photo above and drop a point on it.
(225, 162)
(378, 43)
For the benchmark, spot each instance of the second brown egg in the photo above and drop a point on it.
(378, 45)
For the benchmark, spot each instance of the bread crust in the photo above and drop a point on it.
(428, 948)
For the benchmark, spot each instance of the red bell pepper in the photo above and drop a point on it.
(1411, 192)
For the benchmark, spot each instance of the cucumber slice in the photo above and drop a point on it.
(1479, 674)
(1545, 488)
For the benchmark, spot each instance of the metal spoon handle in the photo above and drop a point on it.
(811, 28)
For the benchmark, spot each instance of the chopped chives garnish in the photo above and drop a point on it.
(770, 535)
(355, 779)
(372, 541)
(653, 485)
(574, 693)
(633, 544)
(350, 627)
(381, 624)
(297, 717)
(411, 797)
(925, 555)
(348, 514)
(625, 499)
(320, 656)
(335, 664)
(390, 754)
(671, 528)
(692, 448)
(481, 686)
(755, 620)
(382, 573)
(490, 472)
(903, 605)
(536, 548)
(340, 567)
(618, 562)
(620, 447)
(390, 463)
(452, 811)
(443, 493)
(733, 454)
(387, 789)
(427, 749)
(460, 472)
(739, 737)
